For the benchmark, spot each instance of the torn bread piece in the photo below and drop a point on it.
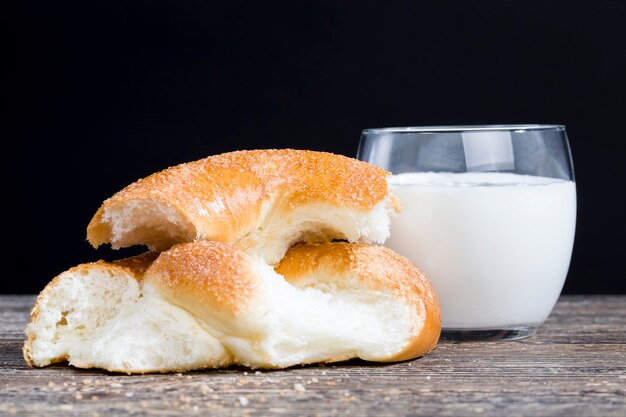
(96, 315)
(208, 305)
(263, 201)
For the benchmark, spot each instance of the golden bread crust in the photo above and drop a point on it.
(310, 176)
(207, 272)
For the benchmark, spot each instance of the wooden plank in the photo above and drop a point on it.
(574, 366)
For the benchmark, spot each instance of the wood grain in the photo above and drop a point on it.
(574, 366)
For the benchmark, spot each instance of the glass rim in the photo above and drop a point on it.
(464, 128)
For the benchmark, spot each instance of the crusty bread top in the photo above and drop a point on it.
(222, 197)
(206, 271)
(312, 176)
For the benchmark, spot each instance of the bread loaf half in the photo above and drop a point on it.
(263, 201)
(209, 304)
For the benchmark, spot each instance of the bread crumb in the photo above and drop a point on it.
(87, 381)
(243, 401)
(78, 396)
(258, 373)
(130, 394)
(204, 389)
(323, 372)
(315, 380)
(299, 387)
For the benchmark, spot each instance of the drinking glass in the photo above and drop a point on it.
(488, 214)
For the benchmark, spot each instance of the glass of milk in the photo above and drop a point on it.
(488, 214)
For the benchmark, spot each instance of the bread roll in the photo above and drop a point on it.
(209, 304)
(263, 201)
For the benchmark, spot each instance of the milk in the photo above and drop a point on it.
(496, 246)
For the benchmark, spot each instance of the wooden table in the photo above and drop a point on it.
(574, 366)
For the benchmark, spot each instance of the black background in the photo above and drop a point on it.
(103, 93)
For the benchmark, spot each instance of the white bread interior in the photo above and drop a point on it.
(100, 315)
(315, 223)
(96, 316)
